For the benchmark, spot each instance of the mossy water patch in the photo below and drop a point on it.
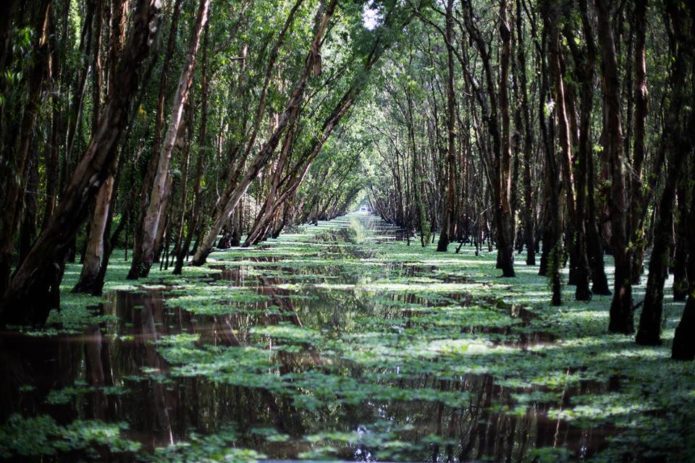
(341, 345)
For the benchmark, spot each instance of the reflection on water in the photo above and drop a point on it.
(116, 374)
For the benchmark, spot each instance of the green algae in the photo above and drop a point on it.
(329, 320)
(42, 436)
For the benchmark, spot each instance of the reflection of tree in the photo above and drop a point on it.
(164, 408)
(42, 363)
(153, 307)
(97, 370)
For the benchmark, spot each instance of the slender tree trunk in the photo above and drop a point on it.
(677, 145)
(180, 232)
(28, 298)
(638, 203)
(682, 239)
(94, 253)
(505, 213)
(12, 184)
(594, 242)
(148, 179)
(450, 198)
(528, 215)
(27, 229)
(590, 244)
(649, 332)
(621, 313)
(684, 339)
(161, 187)
(578, 260)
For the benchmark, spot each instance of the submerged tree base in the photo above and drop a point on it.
(339, 342)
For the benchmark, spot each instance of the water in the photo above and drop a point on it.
(341, 374)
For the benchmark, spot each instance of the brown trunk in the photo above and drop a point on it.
(185, 174)
(551, 256)
(97, 68)
(565, 161)
(27, 229)
(94, 253)
(99, 246)
(504, 213)
(528, 215)
(576, 169)
(676, 144)
(148, 179)
(682, 239)
(448, 202)
(621, 313)
(649, 332)
(161, 186)
(28, 298)
(238, 226)
(684, 339)
(12, 184)
(641, 96)
(586, 63)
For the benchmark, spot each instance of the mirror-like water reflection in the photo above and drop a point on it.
(334, 379)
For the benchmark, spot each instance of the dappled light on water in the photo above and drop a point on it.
(341, 342)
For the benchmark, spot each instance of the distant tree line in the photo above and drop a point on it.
(561, 127)
(159, 126)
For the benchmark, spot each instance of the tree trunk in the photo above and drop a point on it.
(682, 238)
(12, 184)
(638, 203)
(94, 253)
(649, 332)
(28, 298)
(161, 187)
(621, 312)
(579, 266)
(528, 214)
(148, 179)
(448, 201)
(27, 229)
(676, 145)
(684, 339)
(504, 213)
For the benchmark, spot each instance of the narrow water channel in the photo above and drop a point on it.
(329, 343)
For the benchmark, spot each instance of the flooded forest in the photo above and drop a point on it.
(276, 231)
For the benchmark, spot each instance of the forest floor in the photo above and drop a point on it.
(340, 342)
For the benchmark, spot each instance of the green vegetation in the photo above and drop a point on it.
(378, 352)
(353, 230)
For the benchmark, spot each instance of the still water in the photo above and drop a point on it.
(318, 346)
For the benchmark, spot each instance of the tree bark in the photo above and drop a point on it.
(505, 213)
(676, 144)
(578, 259)
(638, 203)
(161, 187)
(28, 298)
(94, 253)
(148, 179)
(528, 213)
(621, 312)
(12, 184)
(448, 201)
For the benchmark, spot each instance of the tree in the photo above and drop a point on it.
(28, 297)
(143, 255)
(621, 313)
